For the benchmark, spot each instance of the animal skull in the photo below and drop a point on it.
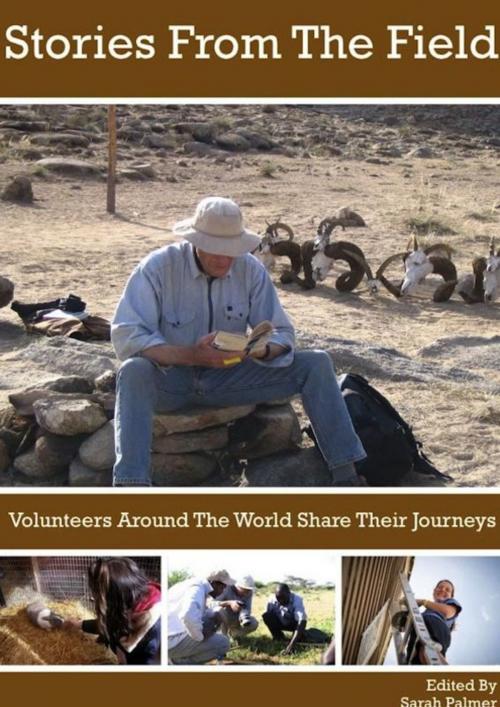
(321, 266)
(417, 267)
(491, 278)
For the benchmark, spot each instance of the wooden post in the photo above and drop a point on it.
(111, 196)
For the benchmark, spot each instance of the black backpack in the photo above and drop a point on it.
(392, 450)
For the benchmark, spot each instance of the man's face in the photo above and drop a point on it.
(218, 588)
(214, 265)
(282, 596)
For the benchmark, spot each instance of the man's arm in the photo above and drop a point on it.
(297, 636)
(265, 305)
(191, 612)
(201, 354)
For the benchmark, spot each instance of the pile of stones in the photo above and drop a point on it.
(62, 433)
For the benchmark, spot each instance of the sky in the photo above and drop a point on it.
(264, 565)
(476, 639)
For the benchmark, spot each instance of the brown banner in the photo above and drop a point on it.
(225, 49)
(249, 689)
(399, 521)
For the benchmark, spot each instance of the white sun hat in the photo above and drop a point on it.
(217, 228)
(221, 576)
(246, 582)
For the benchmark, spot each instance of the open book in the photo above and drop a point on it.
(252, 343)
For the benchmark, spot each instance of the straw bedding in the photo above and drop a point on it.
(22, 643)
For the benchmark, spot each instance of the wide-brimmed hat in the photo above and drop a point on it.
(217, 228)
(221, 576)
(246, 582)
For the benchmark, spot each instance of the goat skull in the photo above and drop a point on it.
(417, 267)
(491, 278)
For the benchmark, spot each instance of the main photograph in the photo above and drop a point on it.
(249, 295)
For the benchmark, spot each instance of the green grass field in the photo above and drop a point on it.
(258, 648)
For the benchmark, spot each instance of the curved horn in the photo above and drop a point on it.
(328, 224)
(345, 252)
(274, 228)
(291, 250)
(439, 246)
(307, 250)
(413, 243)
(395, 290)
(447, 270)
(388, 261)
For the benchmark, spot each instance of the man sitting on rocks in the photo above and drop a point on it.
(164, 327)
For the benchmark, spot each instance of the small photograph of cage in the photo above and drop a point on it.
(420, 610)
(69, 610)
(251, 607)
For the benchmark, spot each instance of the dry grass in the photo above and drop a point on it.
(22, 643)
(258, 648)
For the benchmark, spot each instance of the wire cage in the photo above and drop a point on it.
(23, 579)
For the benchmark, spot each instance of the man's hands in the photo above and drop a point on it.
(205, 354)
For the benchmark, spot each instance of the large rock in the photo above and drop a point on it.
(81, 475)
(201, 132)
(19, 190)
(24, 401)
(98, 450)
(69, 167)
(31, 466)
(210, 438)
(233, 142)
(25, 126)
(63, 356)
(69, 417)
(256, 140)
(266, 431)
(57, 451)
(304, 468)
(197, 419)
(181, 469)
(6, 291)
(67, 139)
(200, 149)
(106, 382)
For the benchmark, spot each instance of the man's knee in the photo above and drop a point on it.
(220, 644)
(136, 370)
(316, 361)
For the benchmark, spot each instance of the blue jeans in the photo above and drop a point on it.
(144, 388)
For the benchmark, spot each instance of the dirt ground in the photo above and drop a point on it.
(66, 242)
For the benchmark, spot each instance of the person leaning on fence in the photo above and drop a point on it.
(163, 330)
(128, 610)
(192, 628)
(234, 607)
(285, 612)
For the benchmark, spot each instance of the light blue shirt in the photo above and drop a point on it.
(293, 610)
(168, 300)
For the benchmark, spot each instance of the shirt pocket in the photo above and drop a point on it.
(179, 326)
(237, 311)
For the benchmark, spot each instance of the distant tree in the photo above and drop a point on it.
(299, 582)
(178, 576)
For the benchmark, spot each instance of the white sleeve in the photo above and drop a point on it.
(191, 612)
(299, 611)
